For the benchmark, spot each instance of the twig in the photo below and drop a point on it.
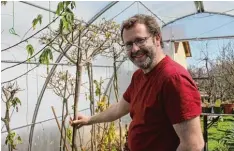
(59, 126)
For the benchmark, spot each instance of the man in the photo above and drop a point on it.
(162, 99)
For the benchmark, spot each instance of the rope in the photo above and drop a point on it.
(12, 30)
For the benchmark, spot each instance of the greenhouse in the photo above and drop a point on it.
(60, 59)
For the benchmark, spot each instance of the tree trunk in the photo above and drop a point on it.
(63, 120)
(115, 81)
(77, 93)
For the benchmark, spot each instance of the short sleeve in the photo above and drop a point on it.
(128, 92)
(181, 98)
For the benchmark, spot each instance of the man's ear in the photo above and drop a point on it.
(157, 40)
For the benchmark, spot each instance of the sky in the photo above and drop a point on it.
(200, 25)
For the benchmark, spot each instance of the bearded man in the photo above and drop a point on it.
(162, 99)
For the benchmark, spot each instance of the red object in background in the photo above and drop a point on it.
(228, 108)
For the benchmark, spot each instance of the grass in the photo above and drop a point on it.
(218, 132)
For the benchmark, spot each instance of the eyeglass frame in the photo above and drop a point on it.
(138, 43)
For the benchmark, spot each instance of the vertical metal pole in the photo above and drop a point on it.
(205, 133)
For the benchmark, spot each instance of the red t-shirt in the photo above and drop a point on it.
(165, 96)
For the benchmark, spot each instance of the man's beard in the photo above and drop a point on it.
(149, 54)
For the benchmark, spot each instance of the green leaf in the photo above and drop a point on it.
(50, 54)
(41, 58)
(14, 146)
(30, 49)
(6, 141)
(35, 21)
(69, 17)
(69, 134)
(68, 11)
(15, 101)
(60, 7)
(107, 34)
(67, 3)
(19, 140)
(39, 18)
(46, 56)
(65, 23)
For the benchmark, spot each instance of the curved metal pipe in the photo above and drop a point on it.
(214, 13)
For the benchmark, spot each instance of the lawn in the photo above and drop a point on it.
(221, 134)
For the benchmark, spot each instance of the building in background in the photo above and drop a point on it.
(178, 51)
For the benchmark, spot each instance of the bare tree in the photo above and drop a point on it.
(216, 77)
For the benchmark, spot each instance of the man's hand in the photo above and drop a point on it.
(111, 114)
(80, 120)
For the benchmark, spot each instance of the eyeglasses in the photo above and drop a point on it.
(138, 41)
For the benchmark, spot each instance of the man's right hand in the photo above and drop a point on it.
(80, 120)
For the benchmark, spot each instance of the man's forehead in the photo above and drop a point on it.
(138, 30)
(136, 27)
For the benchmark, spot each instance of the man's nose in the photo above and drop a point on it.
(135, 48)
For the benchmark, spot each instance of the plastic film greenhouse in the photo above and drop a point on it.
(61, 59)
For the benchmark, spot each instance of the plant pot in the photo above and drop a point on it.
(206, 109)
(227, 108)
(217, 110)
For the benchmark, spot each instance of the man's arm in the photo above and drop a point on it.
(113, 113)
(190, 135)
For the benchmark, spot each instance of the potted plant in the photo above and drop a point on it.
(206, 108)
(228, 107)
(217, 106)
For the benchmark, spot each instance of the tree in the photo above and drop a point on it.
(216, 77)
(11, 102)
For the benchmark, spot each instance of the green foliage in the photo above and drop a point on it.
(30, 50)
(228, 139)
(36, 20)
(12, 139)
(220, 146)
(102, 104)
(3, 2)
(15, 102)
(221, 135)
(107, 34)
(98, 87)
(67, 20)
(111, 132)
(69, 135)
(45, 57)
(109, 139)
(218, 103)
(59, 8)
